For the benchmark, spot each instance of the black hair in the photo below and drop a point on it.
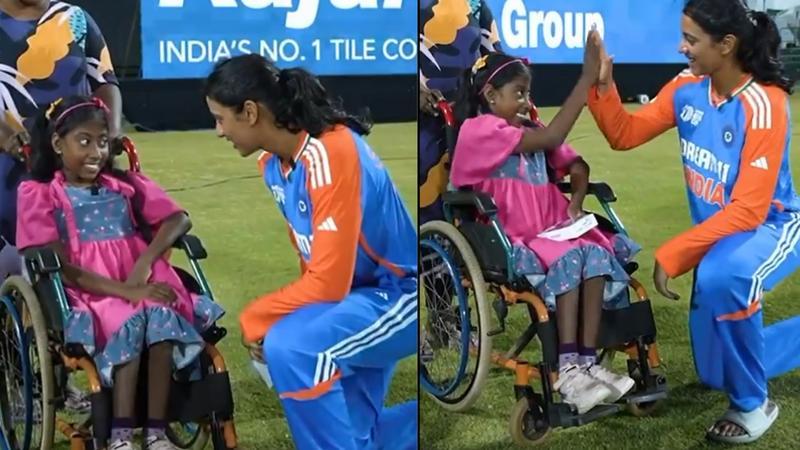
(44, 162)
(469, 99)
(296, 97)
(757, 34)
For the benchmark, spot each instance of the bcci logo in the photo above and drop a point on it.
(301, 205)
(727, 135)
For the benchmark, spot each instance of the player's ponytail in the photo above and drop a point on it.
(306, 105)
(760, 57)
(295, 97)
(756, 32)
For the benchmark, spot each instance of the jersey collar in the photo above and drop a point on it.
(302, 143)
(716, 100)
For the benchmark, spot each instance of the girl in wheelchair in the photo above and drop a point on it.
(502, 152)
(111, 229)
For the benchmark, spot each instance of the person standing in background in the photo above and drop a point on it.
(48, 50)
(454, 34)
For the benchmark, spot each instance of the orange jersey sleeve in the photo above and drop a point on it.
(334, 185)
(624, 130)
(752, 195)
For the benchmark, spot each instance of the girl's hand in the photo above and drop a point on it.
(575, 211)
(140, 273)
(159, 292)
(660, 279)
(591, 56)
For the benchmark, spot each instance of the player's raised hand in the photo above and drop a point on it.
(606, 67)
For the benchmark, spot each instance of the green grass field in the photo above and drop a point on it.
(249, 249)
(652, 204)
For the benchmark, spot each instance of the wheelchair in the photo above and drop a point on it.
(35, 364)
(466, 260)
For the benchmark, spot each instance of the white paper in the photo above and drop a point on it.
(262, 371)
(571, 229)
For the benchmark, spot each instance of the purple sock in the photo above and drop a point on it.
(122, 429)
(567, 354)
(587, 356)
(156, 428)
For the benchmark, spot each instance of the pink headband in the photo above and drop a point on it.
(523, 61)
(95, 101)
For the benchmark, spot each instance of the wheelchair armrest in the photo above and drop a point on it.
(601, 190)
(192, 245)
(482, 201)
(42, 260)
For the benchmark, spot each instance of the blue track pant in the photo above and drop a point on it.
(733, 351)
(332, 365)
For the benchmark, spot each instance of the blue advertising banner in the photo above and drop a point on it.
(184, 38)
(547, 32)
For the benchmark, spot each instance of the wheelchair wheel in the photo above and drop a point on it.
(529, 427)
(643, 409)
(3, 441)
(26, 397)
(455, 349)
(188, 436)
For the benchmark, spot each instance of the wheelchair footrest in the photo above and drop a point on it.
(649, 395)
(562, 415)
(657, 391)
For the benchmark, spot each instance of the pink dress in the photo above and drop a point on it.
(98, 230)
(529, 202)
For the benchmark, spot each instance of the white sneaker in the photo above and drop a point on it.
(121, 445)
(618, 385)
(577, 388)
(156, 443)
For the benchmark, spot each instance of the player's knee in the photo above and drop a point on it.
(711, 277)
(276, 350)
(722, 275)
(282, 349)
(730, 260)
